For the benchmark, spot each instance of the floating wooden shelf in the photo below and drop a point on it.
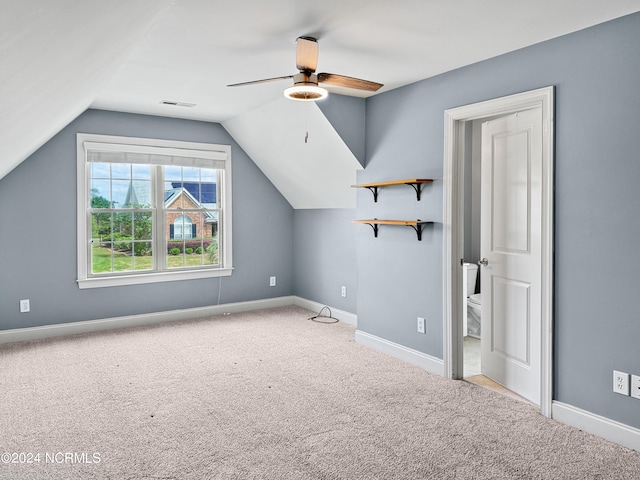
(415, 183)
(415, 224)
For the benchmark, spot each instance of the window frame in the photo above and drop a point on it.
(166, 147)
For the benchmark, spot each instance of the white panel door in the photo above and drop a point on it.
(511, 209)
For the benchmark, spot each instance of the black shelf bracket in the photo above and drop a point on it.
(375, 229)
(418, 229)
(417, 187)
(374, 190)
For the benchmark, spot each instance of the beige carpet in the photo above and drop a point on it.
(268, 395)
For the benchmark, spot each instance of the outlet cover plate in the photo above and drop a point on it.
(635, 386)
(25, 306)
(621, 382)
(343, 291)
(272, 281)
(421, 327)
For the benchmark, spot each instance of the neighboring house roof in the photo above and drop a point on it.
(205, 192)
(139, 194)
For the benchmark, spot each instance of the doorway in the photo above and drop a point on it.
(458, 122)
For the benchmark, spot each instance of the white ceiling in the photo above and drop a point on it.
(60, 57)
(197, 47)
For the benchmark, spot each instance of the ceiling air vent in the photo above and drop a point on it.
(177, 104)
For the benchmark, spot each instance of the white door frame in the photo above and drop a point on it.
(453, 215)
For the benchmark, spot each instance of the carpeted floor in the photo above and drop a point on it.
(267, 395)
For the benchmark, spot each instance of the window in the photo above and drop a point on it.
(183, 227)
(152, 210)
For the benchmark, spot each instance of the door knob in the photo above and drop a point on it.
(483, 262)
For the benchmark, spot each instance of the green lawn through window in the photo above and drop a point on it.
(101, 261)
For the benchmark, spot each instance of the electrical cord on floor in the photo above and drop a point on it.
(319, 315)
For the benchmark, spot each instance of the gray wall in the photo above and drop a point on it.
(597, 200)
(399, 277)
(325, 239)
(325, 256)
(38, 232)
(348, 116)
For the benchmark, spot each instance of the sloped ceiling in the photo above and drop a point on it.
(59, 57)
(55, 58)
(297, 148)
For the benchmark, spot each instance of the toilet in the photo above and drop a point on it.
(472, 305)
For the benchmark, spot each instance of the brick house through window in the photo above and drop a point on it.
(184, 216)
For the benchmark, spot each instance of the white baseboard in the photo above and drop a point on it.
(72, 328)
(429, 363)
(601, 426)
(346, 317)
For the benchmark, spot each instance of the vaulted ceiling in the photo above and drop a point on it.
(58, 58)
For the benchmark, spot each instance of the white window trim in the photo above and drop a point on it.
(218, 152)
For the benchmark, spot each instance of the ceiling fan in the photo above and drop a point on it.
(305, 84)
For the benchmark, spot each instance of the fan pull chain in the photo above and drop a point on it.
(306, 123)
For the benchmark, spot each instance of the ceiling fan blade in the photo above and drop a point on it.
(265, 80)
(306, 54)
(348, 82)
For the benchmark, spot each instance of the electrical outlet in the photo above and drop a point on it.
(25, 306)
(421, 328)
(343, 291)
(621, 382)
(635, 386)
(272, 281)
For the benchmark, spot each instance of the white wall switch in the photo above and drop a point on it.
(635, 386)
(421, 328)
(25, 306)
(621, 382)
(272, 281)
(343, 291)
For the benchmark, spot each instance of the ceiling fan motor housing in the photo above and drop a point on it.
(304, 78)
(305, 88)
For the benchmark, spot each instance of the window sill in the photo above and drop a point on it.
(156, 277)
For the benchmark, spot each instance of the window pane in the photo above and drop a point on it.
(122, 256)
(190, 174)
(141, 172)
(139, 194)
(100, 170)
(101, 227)
(173, 195)
(183, 227)
(212, 252)
(194, 189)
(175, 258)
(122, 224)
(208, 192)
(100, 194)
(143, 226)
(172, 174)
(210, 228)
(120, 170)
(142, 256)
(208, 175)
(101, 257)
(119, 191)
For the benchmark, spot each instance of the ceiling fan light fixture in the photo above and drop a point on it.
(307, 92)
